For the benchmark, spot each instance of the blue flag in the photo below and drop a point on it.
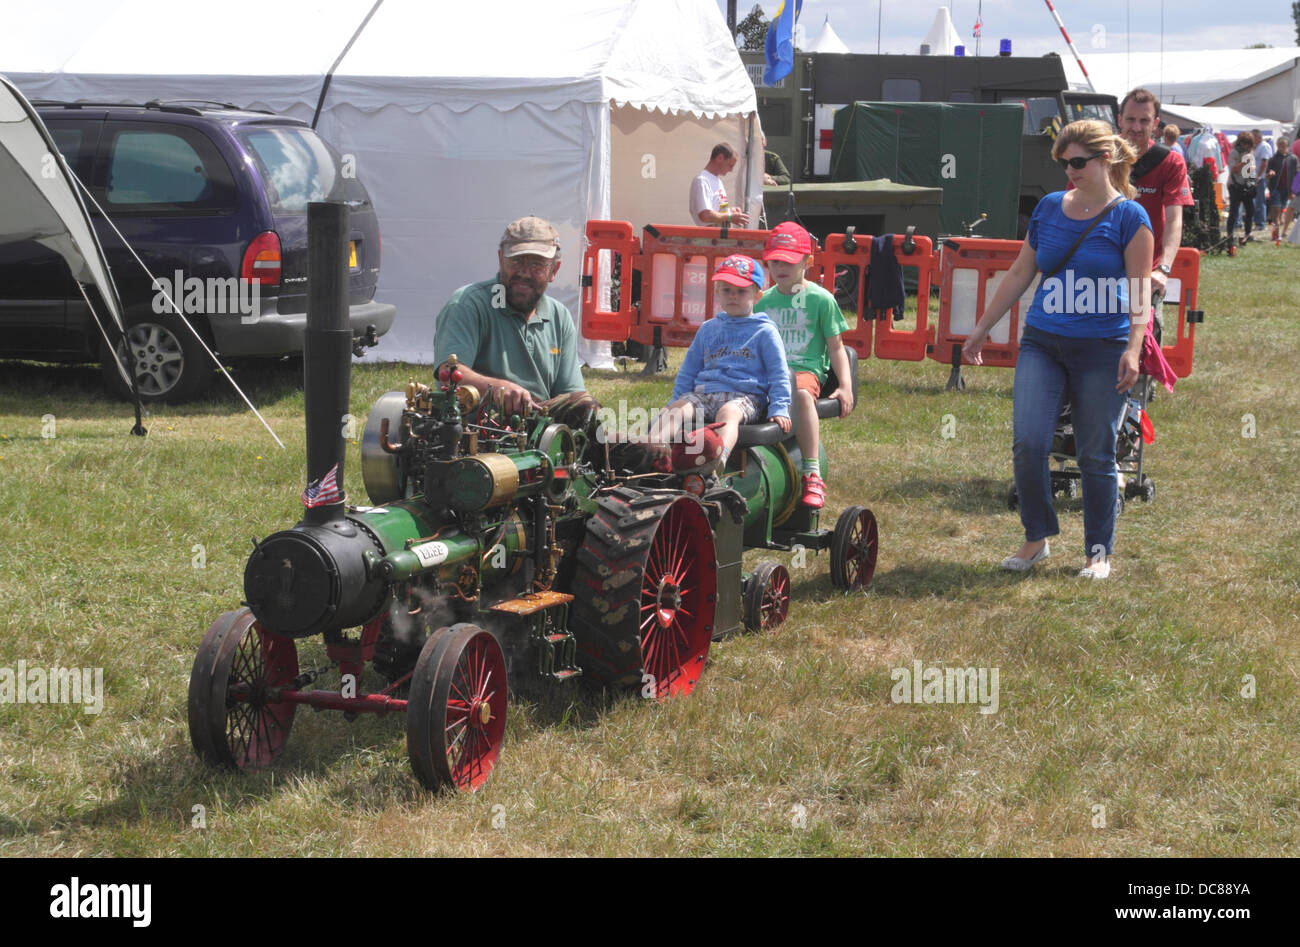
(778, 48)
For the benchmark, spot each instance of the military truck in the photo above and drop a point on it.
(798, 114)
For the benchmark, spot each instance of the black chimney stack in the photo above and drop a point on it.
(327, 349)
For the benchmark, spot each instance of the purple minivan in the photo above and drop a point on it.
(213, 199)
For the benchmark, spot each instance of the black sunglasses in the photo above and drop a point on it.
(1077, 163)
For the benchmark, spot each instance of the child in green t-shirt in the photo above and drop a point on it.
(810, 323)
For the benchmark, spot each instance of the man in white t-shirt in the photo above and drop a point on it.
(708, 193)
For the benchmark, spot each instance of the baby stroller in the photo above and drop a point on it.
(1134, 434)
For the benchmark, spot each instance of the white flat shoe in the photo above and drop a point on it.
(1016, 564)
(1096, 570)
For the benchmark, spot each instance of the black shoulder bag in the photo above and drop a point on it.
(1155, 154)
(1095, 221)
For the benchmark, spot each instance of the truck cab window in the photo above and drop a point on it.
(1040, 112)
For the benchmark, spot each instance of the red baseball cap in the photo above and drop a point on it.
(739, 270)
(788, 242)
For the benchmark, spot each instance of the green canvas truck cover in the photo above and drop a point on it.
(971, 150)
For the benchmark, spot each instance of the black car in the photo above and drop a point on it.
(213, 199)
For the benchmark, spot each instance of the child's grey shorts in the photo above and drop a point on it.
(707, 406)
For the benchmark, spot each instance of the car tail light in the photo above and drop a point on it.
(262, 259)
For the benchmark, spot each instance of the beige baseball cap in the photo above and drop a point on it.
(530, 235)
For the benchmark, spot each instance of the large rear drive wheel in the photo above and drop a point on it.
(235, 721)
(456, 709)
(646, 588)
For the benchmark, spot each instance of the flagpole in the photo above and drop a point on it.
(1070, 43)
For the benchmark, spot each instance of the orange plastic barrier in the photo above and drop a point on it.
(676, 263)
(1179, 336)
(972, 267)
(672, 266)
(855, 252)
(970, 270)
(910, 345)
(599, 321)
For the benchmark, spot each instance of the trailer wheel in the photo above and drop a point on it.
(456, 709)
(1148, 490)
(646, 585)
(854, 546)
(234, 722)
(767, 597)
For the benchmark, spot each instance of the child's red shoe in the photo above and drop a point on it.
(814, 491)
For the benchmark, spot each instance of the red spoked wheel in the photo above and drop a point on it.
(235, 719)
(676, 609)
(456, 709)
(767, 597)
(646, 586)
(854, 546)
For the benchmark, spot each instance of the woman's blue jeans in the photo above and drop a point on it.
(1049, 368)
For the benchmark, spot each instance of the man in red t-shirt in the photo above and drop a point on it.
(1163, 190)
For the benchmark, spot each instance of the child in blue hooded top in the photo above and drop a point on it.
(735, 370)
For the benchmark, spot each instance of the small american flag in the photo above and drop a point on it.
(323, 491)
(979, 27)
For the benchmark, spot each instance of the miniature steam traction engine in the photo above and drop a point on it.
(495, 547)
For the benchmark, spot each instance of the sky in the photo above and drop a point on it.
(1112, 26)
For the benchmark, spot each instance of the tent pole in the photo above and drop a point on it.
(325, 85)
(128, 376)
(749, 158)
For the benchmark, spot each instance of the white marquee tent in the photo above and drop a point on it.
(1263, 82)
(942, 38)
(1220, 119)
(827, 41)
(461, 117)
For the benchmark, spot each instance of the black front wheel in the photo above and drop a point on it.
(854, 546)
(766, 597)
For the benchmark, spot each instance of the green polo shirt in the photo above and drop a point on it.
(540, 353)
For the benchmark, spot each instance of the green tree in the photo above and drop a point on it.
(754, 30)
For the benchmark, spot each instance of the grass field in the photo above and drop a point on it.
(1157, 713)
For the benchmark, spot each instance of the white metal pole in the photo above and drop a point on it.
(1069, 42)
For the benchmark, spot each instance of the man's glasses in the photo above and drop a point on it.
(529, 266)
(1077, 163)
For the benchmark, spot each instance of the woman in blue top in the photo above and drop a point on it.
(1082, 336)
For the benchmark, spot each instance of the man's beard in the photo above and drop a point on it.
(1138, 142)
(523, 295)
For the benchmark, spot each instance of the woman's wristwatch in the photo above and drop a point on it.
(1164, 268)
